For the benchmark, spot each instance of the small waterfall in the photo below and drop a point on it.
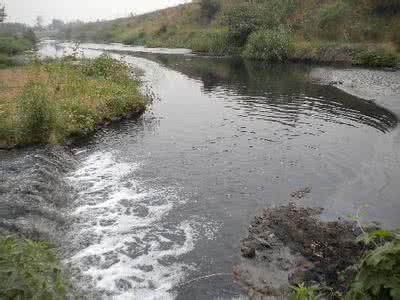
(121, 244)
(33, 192)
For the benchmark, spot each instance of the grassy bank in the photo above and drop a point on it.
(346, 31)
(47, 102)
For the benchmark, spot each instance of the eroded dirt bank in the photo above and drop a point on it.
(288, 245)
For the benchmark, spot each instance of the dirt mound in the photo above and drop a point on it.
(289, 245)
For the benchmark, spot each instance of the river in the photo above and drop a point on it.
(150, 206)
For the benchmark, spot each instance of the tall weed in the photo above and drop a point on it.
(269, 45)
(34, 113)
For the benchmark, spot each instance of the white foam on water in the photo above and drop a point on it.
(121, 239)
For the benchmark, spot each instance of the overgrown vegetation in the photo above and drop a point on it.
(57, 99)
(378, 273)
(302, 292)
(30, 270)
(14, 39)
(271, 45)
(347, 31)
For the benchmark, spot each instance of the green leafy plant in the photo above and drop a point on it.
(268, 45)
(375, 237)
(29, 270)
(302, 292)
(378, 275)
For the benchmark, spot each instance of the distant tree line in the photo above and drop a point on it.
(3, 14)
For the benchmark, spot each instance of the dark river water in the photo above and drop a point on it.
(163, 200)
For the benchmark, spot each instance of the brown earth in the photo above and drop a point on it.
(289, 245)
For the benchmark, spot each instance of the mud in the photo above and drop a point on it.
(381, 86)
(288, 245)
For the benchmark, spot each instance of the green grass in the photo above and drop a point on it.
(319, 30)
(56, 100)
(14, 45)
(30, 270)
(269, 45)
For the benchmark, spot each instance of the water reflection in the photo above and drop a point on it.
(278, 93)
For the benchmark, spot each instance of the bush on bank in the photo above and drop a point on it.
(30, 270)
(6, 61)
(60, 100)
(269, 45)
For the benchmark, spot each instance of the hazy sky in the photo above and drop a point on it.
(26, 11)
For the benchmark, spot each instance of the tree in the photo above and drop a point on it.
(57, 24)
(3, 14)
(39, 22)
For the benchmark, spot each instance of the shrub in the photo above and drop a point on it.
(375, 58)
(14, 45)
(138, 38)
(6, 61)
(331, 18)
(162, 30)
(29, 270)
(104, 66)
(378, 274)
(208, 9)
(268, 45)
(34, 113)
(243, 19)
(215, 43)
(383, 6)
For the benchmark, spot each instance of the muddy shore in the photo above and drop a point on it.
(289, 245)
(381, 86)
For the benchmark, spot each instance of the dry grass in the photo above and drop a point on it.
(48, 102)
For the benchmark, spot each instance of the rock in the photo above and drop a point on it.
(249, 252)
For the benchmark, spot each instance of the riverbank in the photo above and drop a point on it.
(380, 86)
(290, 253)
(47, 102)
(289, 245)
(309, 31)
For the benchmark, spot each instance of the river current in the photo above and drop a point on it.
(151, 207)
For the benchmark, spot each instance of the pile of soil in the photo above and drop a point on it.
(289, 245)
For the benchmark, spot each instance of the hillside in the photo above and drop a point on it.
(359, 32)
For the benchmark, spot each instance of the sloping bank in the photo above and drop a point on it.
(47, 103)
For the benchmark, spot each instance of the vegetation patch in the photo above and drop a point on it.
(14, 39)
(47, 102)
(320, 30)
(290, 252)
(376, 57)
(269, 45)
(30, 270)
